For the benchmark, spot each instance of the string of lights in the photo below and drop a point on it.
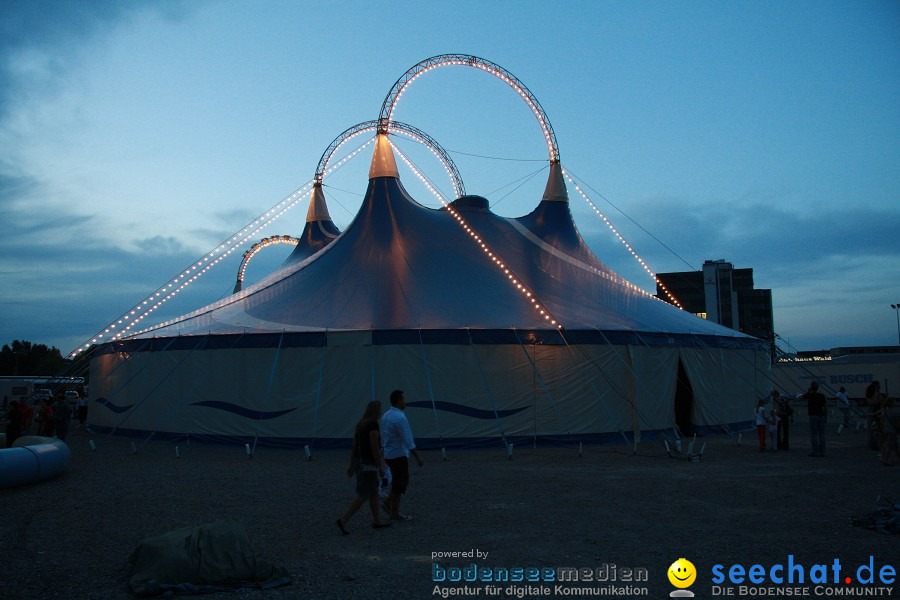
(485, 248)
(126, 324)
(624, 242)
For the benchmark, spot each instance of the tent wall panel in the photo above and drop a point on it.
(550, 391)
(655, 370)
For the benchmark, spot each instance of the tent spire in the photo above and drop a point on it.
(383, 163)
(556, 185)
(318, 210)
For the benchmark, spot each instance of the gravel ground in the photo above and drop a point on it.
(70, 537)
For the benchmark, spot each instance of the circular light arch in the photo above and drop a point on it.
(255, 248)
(395, 127)
(468, 60)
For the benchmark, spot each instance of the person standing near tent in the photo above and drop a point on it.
(365, 461)
(46, 424)
(889, 415)
(397, 438)
(13, 422)
(62, 415)
(815, 406)
(27, 415)
(80, 410)
(783, 412)
(873, 402)
(844, 405)
(762, 423)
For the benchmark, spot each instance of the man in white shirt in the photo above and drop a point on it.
(397, 438)
(844, 405)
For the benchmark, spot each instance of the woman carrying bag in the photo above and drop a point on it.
(365, 463)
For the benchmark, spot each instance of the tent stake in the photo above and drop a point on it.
(92, 445)
(509, 451)
(580, 450)
(443, 453)
(247, 448)
(177, 452)
(308, 453)
(133, 448)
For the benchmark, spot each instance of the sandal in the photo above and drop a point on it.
(343, 529)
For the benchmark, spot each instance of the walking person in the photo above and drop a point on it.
(398, 443)
(815, 407)
(81, 410)
(844, 405)
(365, 462)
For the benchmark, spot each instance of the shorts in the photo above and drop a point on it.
(399, 474)
(367, 483)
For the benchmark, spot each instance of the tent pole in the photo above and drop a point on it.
(372, 360)
(272, 372)
(319, 392)
(430, 388)
(536, 372)
(487, 388)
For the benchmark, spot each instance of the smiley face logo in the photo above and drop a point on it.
(682, 573)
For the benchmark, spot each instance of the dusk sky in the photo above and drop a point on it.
(135, 137)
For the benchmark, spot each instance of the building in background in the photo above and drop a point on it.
(725, 295)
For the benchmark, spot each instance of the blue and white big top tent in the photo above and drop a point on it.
(498, 329)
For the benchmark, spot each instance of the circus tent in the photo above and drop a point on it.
(498, 329)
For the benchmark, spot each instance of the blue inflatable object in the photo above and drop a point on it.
(32, 458)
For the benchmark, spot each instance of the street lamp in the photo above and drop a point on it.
(896, 308)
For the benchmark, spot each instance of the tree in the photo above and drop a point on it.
(24, 358)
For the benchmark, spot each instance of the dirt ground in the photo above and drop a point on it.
(607, 510)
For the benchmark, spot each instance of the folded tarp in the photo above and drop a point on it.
(200, 559)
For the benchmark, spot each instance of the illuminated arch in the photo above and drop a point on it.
(267, 241)
(466, 60)
(395, 127)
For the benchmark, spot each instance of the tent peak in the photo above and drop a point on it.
(383, 162)
(556, 185)
(318, 210)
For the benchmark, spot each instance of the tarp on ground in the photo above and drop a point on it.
(200, 559)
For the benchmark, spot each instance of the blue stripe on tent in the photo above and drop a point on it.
(113, 407)
(243, 411)
(390, 337)
(461, 409)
